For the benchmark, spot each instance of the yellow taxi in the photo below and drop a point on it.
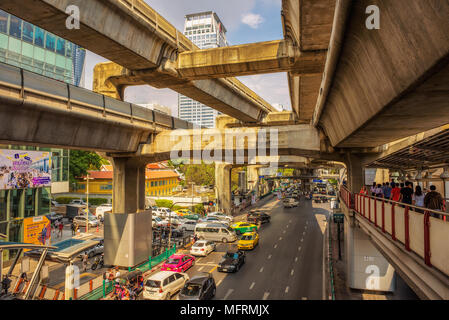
(183, 212)
(248, 241)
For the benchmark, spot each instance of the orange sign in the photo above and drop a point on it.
(37, 230)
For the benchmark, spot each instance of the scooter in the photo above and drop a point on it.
(99, 262)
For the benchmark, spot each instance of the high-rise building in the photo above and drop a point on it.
(26, 182)
(205, 30)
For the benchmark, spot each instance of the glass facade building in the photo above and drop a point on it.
(32, 48)
(206, 31)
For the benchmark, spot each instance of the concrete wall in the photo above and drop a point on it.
(128, 238)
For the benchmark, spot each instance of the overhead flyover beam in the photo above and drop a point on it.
(133, 35)
(249, 59)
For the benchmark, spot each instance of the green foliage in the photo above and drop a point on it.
(333, 181)
(199, 208)
(81, 162)
(96, 201)
(65, 200)
(164, 203)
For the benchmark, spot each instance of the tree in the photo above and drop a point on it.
(81, 162)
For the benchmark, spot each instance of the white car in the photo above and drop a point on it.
(81, 221)
(164, 284)
(188, 225)
(215, 219)
(202, 248)
(290, 203)
(221, 216)
(161, 211)
(78, 201)
(100, 210)
(156, 221)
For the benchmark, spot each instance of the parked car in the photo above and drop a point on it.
(188, 225)
(231, 261)
(81, 221)
(242, 227)
(183, 212)
(256, 216)
(221, 216)
(164, 284)
(178, 263)
(53, 217)
(195, 217)
(202, 248)
(156, 221)
(102, 209)
(290, 203)
(175, 232)
(199, 287)
(78, 201)
(215, 219)
(93, 251)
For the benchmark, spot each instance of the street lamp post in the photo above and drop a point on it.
(87, 202)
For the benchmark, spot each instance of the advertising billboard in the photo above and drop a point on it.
(37, 230)
(20, 169)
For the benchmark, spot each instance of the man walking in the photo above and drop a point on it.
(433, 200)
(85, 260)
(386, 190)
(407, 193)
(60, 228)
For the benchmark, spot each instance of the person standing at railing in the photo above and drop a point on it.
(433, 200)
(378, 192)
(373, 189)
(395, 192)
(418, 198)
(386, 190)
(363, 190)
(407, 193)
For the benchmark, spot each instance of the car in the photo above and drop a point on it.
(175, 232)
(55, 203)
(78, 201)
(81, 221)
(195, 217)
(324, 199)
(183, 212)
(93, 251)
(53, 217)
(215, 232)
(215, 219)
(248, 241)
(178, 263)
(171, 221)
(221, 216)
(202, 248)
(256, 216)
(156, 221)
(231, 261)
(290, 203)
(188, 225)
(163, 285)
(199, 287)
(242, 227)
(102, 209)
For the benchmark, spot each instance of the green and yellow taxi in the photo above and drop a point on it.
(242, 227)
(248, 241)
(183, 212)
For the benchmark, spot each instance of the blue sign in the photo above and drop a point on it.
(317, 181)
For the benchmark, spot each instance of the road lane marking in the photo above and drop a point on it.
(286, 226)
(212, 270)
(296, 259)
(291, 273)
(228, 294)
(199, 269)
(261, 269)
(307, 222)
(280, 238)
(219, 282)
(289, 221)
(265, 295)
(286, 289)
(302, 239)
(275, 246)
(269, 256)
(299, 248)
(252, 286)
(283, 231)
(304, 233)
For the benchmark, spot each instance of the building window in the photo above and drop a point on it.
(60, 46)
(39, 37)
(3, 22)
(15, 27)
(15, 196)
(3, 205)
(28, 32)
(50, 42)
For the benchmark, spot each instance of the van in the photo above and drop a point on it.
(164, 284)
(215, 232)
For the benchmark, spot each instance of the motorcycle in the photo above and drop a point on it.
(98, 263)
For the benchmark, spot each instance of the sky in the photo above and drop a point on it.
(246, 21)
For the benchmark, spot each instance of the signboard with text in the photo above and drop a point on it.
(37, 230)
(20, 169)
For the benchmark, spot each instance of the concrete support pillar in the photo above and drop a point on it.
(128, 185)
(223, 186)
(253, 179)
(355, 173)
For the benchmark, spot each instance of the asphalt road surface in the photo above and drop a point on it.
(287, 263)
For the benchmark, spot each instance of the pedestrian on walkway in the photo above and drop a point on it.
(395, 192)
(363, 190)
(407, 193)
(433, 200)
(85, 261)
(373, 189)
(117, 275)
(418, 198)
(72, 226)
(386, 190)
(60, 227)
(378, 191)
(6, 283)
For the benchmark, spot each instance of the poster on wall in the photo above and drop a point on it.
(20, 169)
(37, 230)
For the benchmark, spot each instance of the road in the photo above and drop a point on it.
(287, 264)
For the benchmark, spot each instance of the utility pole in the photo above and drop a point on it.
(87, 201)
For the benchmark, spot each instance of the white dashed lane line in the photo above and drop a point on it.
(283, 231)
(269, 257)
(228, 294)
(252, 286)
(280, 238)
(265, 295)
(275, 246)
(296, 259)
(199, 269)
(261, 269)
(286, 289)
(304, 233)
(292, 272)
(299, 248)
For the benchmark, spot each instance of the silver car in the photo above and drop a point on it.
(81, 221)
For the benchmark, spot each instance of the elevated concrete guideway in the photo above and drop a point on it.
(136, 37)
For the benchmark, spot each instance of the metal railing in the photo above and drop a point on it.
(422, 231)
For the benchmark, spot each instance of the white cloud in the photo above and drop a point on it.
(252, 19)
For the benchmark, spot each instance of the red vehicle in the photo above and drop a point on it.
(178, 263)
